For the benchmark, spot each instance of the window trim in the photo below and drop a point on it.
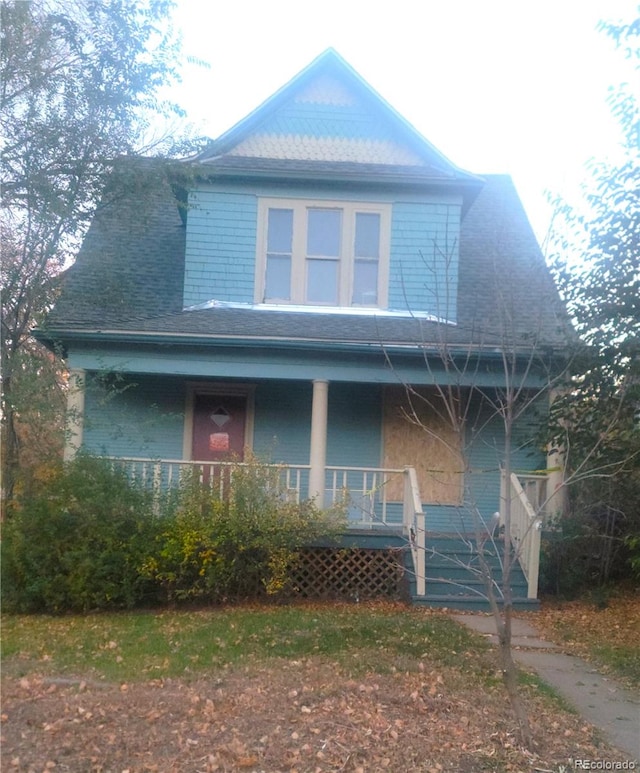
(299, 259)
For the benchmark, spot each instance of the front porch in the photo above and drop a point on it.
(441, 565)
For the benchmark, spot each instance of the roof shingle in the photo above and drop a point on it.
(129, 273)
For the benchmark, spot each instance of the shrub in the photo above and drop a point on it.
(593, 545)
(76, 541)
(215, 547)
(89, 538)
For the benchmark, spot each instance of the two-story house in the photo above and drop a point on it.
(280, 291)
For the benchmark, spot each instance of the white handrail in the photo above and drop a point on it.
(364, 491)
(525, 534)
(414, 527)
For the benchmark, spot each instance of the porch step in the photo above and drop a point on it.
(453, 576)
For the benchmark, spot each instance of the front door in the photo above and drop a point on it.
(219, 423)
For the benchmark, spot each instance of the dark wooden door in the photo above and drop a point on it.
(219, 423)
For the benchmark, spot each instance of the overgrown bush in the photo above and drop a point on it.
(76, 542)
(596, 543)
(240, 544)
(91, 539)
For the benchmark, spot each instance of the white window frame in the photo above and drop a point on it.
(349, 210)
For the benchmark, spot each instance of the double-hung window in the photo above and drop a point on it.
(323, 253)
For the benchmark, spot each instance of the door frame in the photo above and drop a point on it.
(222, 389)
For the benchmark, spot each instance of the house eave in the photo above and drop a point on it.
(435, 348)
(209, 170)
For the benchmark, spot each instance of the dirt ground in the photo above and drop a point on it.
(287, 716)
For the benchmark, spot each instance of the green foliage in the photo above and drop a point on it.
(597, 420)
(632, 543)
(76, 541)
(87, 538)
(80, 87)
(587, 550)
(237, 545)
(603, 231)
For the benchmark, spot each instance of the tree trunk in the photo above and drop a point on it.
(10, 457)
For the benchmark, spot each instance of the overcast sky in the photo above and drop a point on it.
(497, 85)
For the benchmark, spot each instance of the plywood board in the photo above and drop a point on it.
(418, 433)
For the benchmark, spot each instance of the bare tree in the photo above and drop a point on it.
(525, 362)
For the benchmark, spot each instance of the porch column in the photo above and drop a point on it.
(556, 490)
(75, 414)
(318, 450)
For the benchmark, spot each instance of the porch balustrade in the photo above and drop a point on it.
(364, 492)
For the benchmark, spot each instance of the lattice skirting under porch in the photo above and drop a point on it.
(348, 573)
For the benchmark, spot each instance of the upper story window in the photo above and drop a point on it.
(323, 253)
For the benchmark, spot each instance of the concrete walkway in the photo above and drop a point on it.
(605, 704)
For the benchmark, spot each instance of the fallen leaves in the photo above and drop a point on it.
(309, 714)
(311, 718)
(607, 635)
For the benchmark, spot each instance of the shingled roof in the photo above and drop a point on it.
(127, 282)
(326, 125)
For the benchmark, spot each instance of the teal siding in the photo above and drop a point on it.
(282, 426)
(135, 416)
(485, 455)
(220, 247)
(282, 430)
(144, 416)
(423, 273)
(354, 437)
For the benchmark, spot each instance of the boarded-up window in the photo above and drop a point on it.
(417, 433)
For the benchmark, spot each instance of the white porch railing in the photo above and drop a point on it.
(367, 493)
(527, 502)
(167, 474)
(535, 489)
